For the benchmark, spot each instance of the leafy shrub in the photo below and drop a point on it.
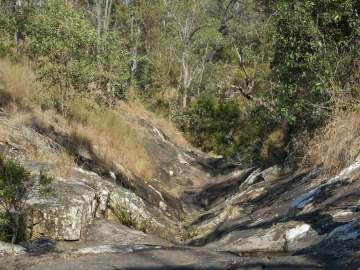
(5, 229)
(15, 186)
(127, 218)
(315, 48)
(7, 29)
(218, 126)
(44, 181)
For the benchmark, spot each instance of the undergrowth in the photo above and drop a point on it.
(336, 145)
(129, 219)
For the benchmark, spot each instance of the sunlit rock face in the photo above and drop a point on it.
(65, 213)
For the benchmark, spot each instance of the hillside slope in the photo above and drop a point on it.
(198, 211)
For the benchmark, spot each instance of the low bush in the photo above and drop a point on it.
(218, 126)
(5, 229)
(15, 187)
(129, 219)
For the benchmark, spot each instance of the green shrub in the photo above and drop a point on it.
(44, 182)
(315, 49)
(5, 229)
(15, 187)
(218, 126)
(7, 31)
(129, 219)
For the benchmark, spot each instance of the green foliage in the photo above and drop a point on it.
(218, 126)
(65, 42)
(14, 181)
(127, 218)
(45, 181)
(274, 62)
(5, 229)
(112, 71)
(315, 45)
(71, 54)
(6, 34)
(15, 186)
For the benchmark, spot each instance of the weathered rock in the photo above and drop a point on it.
(9, 249)
(109, 257)
(123, 200)
(66, 213)
(272, 173)
(283, 237)
(349, 231)
(306, 199)
(63, 216)
(40, 245)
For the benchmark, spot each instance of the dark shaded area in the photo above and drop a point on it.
(230, 266)
(40, 246)
(219, 191)
(5, 98)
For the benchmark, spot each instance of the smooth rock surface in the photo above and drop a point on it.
(7, 249)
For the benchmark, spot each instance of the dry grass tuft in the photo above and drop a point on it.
(18, 79)
(337, 145)
(62, 162)
(114, 140)
(137, 108)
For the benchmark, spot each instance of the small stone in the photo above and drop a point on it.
(162, 205)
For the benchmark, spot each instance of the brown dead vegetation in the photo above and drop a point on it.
(337, 145)
(135, 107)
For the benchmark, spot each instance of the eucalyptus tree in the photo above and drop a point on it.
(190, 28)
(70, 54)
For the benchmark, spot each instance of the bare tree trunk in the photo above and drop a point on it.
(17, 36)
(107, 15)
(99, 4)
(186, 80)
(135, 36)
(16, 225)
(185, 97)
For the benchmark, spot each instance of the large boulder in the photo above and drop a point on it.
(64, 215)
(70, 205)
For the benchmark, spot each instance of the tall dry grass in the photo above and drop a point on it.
(18, 79)
(14, 131)
(136, 107)
(112, 138)
(336, 145)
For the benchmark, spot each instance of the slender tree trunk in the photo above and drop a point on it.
(186, 80)
(17, 35)
(99, 16)
(107, 15)
(135, 33)
(15, 217)
(185, 98)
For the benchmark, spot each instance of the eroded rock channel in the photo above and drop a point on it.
(200, 212)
